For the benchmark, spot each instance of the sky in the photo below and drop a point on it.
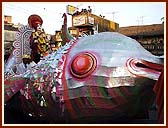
(123, 13)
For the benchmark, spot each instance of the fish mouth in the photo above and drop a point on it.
(143, 68)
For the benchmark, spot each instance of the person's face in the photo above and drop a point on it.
(36, 25)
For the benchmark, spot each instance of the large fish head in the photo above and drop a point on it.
(110, 55)
(110, 66)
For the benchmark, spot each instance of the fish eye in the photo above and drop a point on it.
(83, 65)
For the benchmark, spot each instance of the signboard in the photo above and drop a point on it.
(79, 20)
(91, 20)
(71, 9)
(73, 32)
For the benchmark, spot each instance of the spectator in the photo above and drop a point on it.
(25, 65)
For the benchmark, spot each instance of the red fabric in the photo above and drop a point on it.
(12, 86)
(159, 90)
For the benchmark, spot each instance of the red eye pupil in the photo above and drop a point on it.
(83, 65)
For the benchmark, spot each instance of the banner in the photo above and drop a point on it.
(71, 9)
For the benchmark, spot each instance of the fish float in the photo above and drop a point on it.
(106, 76)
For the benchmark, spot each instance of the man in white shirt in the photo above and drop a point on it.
(25, 65)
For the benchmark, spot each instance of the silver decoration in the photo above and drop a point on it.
(22, 42)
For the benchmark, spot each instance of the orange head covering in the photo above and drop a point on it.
(34, 20)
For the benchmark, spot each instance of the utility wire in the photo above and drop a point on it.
(13, 8)
(18, 8)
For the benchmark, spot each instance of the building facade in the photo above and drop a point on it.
(9, 36)
(85, 22)
(151, 37)
(56, 41)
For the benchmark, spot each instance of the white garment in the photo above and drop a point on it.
(22, 69)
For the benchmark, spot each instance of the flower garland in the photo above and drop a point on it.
(42, 41)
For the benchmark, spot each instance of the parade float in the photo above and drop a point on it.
(106, 77)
